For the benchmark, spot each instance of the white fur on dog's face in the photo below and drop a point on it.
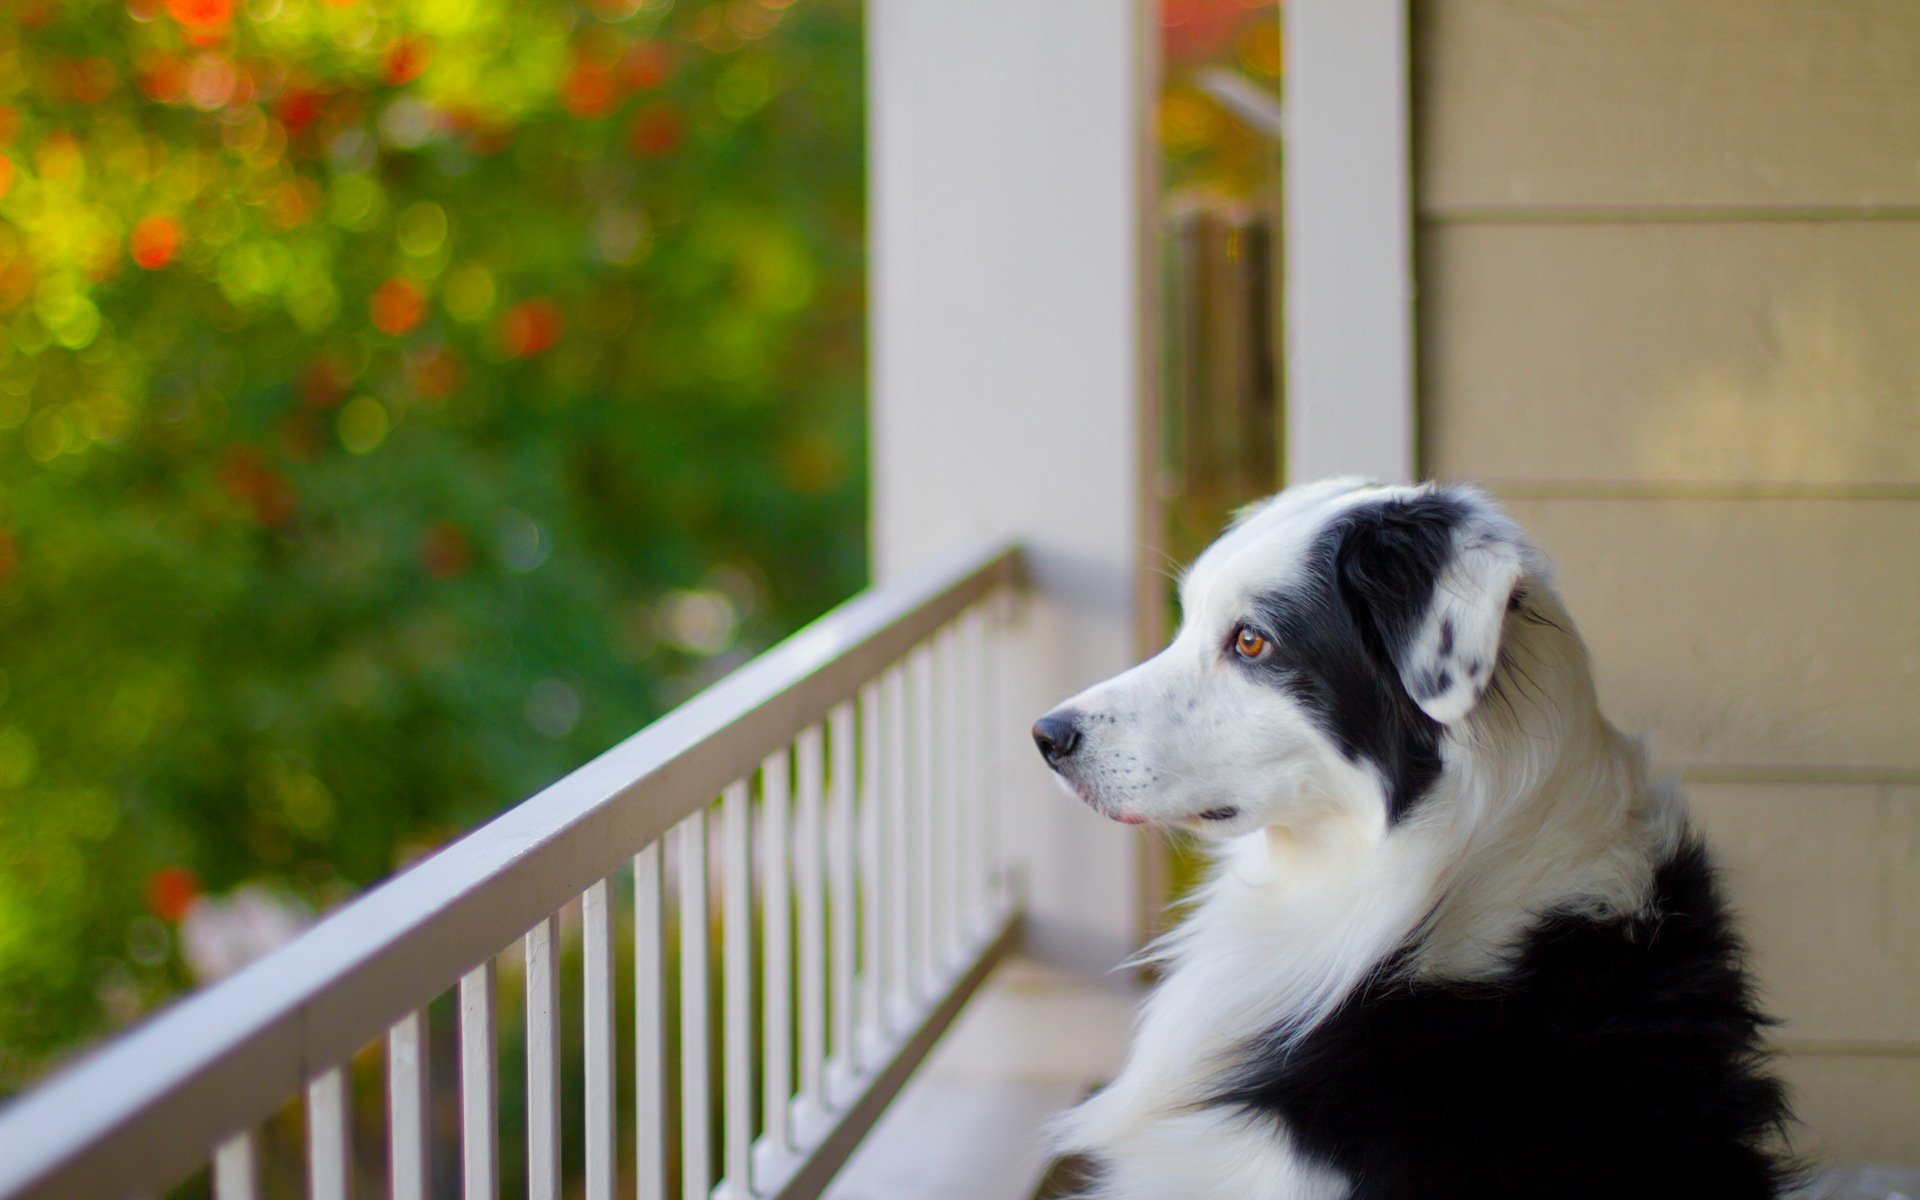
(1191, 731)
(1337, 716)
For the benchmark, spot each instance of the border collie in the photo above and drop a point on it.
(1456, 941)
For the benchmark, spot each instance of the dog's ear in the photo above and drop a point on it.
(1433, 576)
(1447, 663)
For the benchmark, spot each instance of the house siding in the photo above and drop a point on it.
(1668, 261)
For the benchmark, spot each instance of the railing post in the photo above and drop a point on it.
(1012, 389)
(1349, 241)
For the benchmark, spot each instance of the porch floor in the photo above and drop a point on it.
(972, 1123)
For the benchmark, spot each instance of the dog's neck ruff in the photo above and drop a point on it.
(1540, 806)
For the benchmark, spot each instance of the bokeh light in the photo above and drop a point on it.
(393, 395)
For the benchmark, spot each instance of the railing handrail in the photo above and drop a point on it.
(152, 1103)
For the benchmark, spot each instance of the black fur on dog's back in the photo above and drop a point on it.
(1618, 1058)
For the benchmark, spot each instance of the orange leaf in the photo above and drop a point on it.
(530, 327)
(406, 58)
(171, 891)
(396, 307)
(154, 242)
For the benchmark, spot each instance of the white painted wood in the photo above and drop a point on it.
(140, 1114)
(842, 852)
(650, 1035)
(479, 1086)
(950, 776)
(809, 886)
(696, 1152)
(928, 873)
(875, 890)
(543, 1060)
(1010, 194)
(736, 1043)
(409, 1094)
(970, 1123)
(976, 801)
(776, 933)
(805, 1178)
(963, 800)
(997, 692)
(329, 1137)
(596, 911)
(236, 1168)
(823, 1146)
(1349, 277)
(902, 905)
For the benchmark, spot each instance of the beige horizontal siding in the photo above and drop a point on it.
(1669, 310)
(1826, 881)
(1778, 635)
(1659, 355)
(1665, 103)
(1855, 1108)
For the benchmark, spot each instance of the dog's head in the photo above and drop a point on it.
(1329, 641)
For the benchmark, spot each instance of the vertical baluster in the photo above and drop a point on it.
(979, 794)
(899, 856)
(479, 1091)
(329, 1141)
(596, 912)
(236, 1168)
(874, 889)
(408, 1151)
(808, 869)
(543, 1060)
(953, 796)
(997, 864)
(953, 702)
(736, 873)
(777, 935)
(649, 1028)
(953, 790)
(840, 867)
(696, 1149)
(928, 860)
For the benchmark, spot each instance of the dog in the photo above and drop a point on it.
(1456, 941)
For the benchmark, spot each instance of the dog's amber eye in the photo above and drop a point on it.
(1248, 644)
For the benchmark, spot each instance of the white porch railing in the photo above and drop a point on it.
(850, 872)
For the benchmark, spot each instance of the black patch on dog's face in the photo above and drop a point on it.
(1368, 582)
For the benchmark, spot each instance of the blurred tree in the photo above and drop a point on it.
(1208, 152)
(1220, 435)
(399, 403)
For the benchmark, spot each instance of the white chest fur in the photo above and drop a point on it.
(1281, 931)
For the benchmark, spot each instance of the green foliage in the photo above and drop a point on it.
(399, 403)
(1207, 152)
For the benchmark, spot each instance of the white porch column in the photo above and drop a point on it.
(1349, 256)
(1010, 370)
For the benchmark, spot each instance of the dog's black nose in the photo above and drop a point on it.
(1057, 734)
